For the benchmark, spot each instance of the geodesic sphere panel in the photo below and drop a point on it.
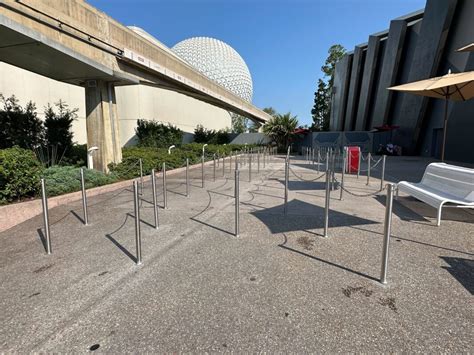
(219, 62)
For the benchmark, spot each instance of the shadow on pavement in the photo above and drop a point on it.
(304, 216)
(284, 246)
(42, 238)
(462, 270)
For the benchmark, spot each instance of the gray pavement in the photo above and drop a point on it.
(279, 287)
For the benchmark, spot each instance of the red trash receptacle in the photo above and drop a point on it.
(352, 159)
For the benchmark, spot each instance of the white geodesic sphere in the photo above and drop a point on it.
(219, 62)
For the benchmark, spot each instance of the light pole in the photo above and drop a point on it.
(171, 147)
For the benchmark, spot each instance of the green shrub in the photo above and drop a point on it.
(202, 135)
(152, 158)
(77, 155)
(20, 174)
(157, 135)
(58, 126)
(210, 136)
(19, 126)
(64, 179)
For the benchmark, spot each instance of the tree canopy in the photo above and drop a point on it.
(321, 111)
(281, 129)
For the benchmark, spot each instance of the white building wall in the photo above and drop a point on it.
(151, 103)
(133, 102)
(28, 86)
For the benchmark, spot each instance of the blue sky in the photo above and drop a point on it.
(284, 42)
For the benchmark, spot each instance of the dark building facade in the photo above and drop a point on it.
(417, 46)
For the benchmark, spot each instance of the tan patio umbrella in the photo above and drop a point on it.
(468, 48)
(457, 87)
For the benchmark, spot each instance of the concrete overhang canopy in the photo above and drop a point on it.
(27, 49)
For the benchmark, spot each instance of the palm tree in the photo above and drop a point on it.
(280, 129)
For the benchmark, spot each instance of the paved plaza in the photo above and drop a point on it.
(279, 287)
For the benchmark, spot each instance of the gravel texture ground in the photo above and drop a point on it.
(279, 287)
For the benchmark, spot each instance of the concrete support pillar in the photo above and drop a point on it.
(102, 123)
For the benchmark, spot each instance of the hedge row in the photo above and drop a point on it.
(153, 158)
(20, 170)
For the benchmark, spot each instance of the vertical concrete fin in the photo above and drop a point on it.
(367, 83)
(342, 74)
(354, 88)
(428, 52)
(389, 72)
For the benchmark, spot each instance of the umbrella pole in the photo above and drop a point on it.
(445, 127)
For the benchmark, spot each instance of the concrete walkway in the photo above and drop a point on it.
(280, 287)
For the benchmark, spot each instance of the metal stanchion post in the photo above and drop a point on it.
(223, 165)
(333, 168)
(153, 190)
(342, 174)
(319, 159)
(44, 203)
(264, 156)
(386, 233)
(165, 192)
(84, 198)
(382, 178)
(287, 176)
(368, 167)
(250, 168)
(258, 162)
(138, 237)
(358, 164)
(141, 177)
(187, 177)
(214, 167)
(327, 160)
(202, 171)
(326, 207)
(237, 202)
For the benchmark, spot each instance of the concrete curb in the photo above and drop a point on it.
(14, 214)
